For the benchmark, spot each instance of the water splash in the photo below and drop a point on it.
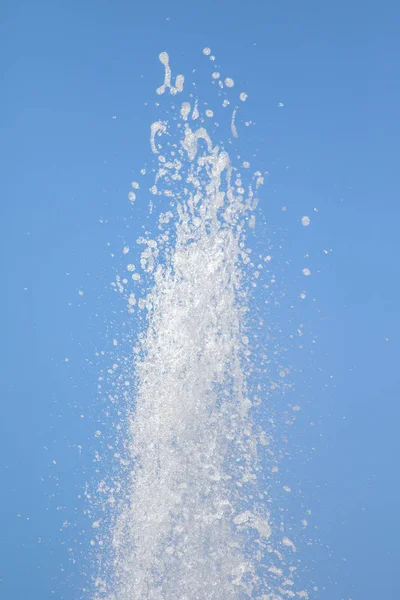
(192, 520)
(179, 81)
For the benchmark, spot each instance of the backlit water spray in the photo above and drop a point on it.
(190, 517)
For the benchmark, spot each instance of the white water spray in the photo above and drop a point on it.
(192, 521)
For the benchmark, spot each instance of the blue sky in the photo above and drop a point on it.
(67, 68)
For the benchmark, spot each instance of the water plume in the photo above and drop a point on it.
(192, 521)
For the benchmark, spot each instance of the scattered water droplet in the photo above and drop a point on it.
(305, 221)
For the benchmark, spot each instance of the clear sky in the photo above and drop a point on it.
(68, 68)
